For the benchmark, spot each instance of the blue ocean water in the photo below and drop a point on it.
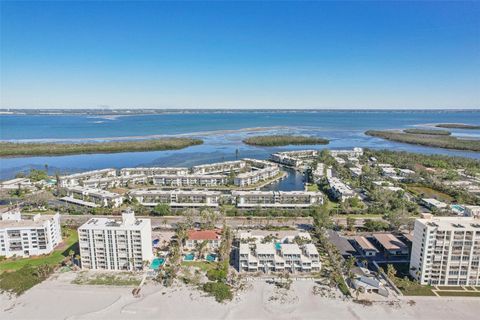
(222, 132)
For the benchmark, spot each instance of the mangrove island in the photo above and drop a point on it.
(10, 149)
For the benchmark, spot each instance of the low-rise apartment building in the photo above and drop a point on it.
(340, 190)
(277, 199)
(256, 176)
(22, 183)
(190, 180)
(113, 182)
(259, 253)
(177, 198)
(219, 167)
(28, 237)
(108, 244)
(294, 158)
(446, 251)
(77, 178)
(154, 171)
(355, 152)
(90, 197)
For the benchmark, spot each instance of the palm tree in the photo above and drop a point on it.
(201, 248)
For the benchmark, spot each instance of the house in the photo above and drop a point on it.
(390, 244)
(364, 246)
(367, 282)
(212, 237)
(342, 244)
(434, 204)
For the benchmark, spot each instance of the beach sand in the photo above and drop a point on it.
(57, 298)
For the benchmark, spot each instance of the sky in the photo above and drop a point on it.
(297, 54)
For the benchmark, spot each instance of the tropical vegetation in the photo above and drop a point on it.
(11, 149)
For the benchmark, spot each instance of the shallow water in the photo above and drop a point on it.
(222, 133)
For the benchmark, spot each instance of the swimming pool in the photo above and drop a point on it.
(211, 257)
(189, 257)
(157, 263)
(278, 246)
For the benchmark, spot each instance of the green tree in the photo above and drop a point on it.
(161, 209)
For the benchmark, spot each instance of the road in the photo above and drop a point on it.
(235, 222)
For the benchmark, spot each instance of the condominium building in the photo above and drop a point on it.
(256, 176)
(191, 180)
(294, 158)
(154, 171)
(219, 167)
(28, 237)
(77, 178)
(116, 245)
(177, 198)
(355, 152)
(268, 254)
(340, 190)
(23, 183)
(277, 199)
(93, 198)
(446, 251)
(117, 181)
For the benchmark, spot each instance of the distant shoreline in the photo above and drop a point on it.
(429, 140)
(163, 111)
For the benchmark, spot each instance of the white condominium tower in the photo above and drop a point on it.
(116, 245)
(446, 251)
(28, 237)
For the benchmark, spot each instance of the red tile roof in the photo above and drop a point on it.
(204, 234)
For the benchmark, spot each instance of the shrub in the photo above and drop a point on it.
(219, 290)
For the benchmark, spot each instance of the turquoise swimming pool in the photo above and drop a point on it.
(157, 263)
(189, 257)
(211, 257)
(278, 246)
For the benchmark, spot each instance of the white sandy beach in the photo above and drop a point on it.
(56, 298)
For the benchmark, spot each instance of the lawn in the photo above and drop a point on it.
(458, 293)
(52, 259)
(449, 287)
(426, 192)
(312, 187)
(410, 288)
